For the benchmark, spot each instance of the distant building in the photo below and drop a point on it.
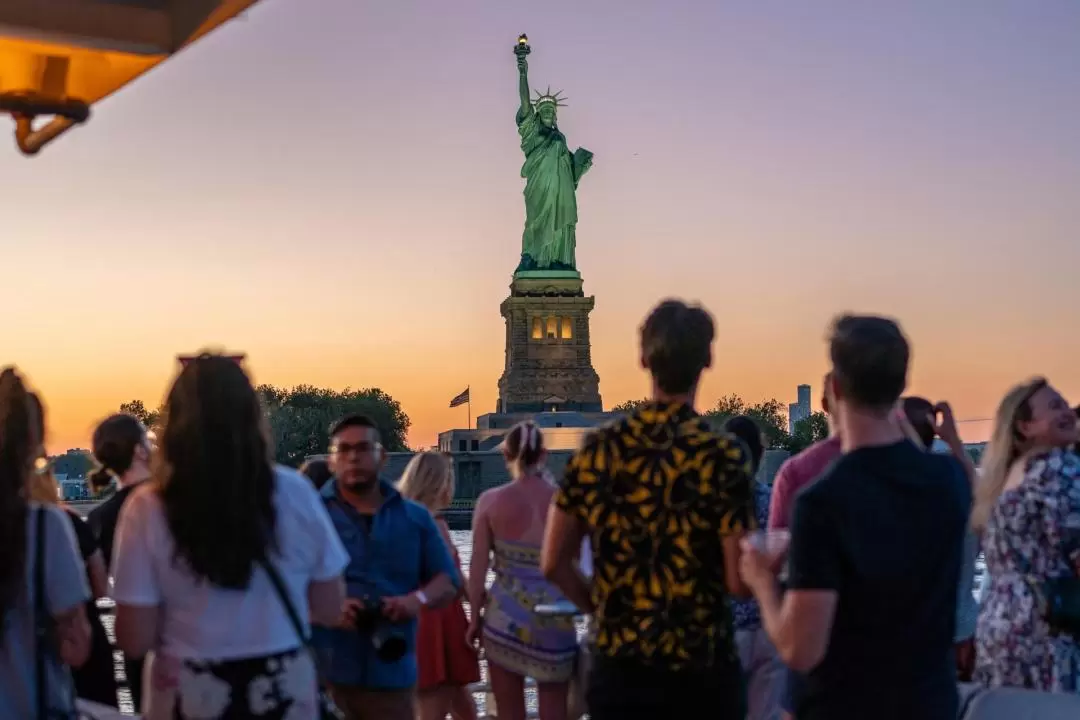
(799, 410)
(72, 488)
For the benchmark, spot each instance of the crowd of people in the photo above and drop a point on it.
(843, 589)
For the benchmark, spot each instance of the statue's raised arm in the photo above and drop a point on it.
(522, 52)
(551, 174)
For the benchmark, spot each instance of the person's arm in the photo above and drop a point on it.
(906, 427)
(73, 636)
(98, 575)
(480, 561)
(780, 502)
(443, 578)
(325, 601)
(326, 588)
(734, 486)
(92, 557)
(439, 575)
(566, 523)
(66, 591)
(135, 588)
(559, 556)
(947, 431)
(800, 624)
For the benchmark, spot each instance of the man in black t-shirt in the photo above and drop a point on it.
(875, 553)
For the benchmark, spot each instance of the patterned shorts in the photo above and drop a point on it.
(274, 687)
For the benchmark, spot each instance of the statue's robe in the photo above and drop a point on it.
(551, 175)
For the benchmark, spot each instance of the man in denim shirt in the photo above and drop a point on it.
(761, 665)
(398, 565)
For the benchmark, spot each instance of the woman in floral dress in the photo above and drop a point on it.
(1028, 507)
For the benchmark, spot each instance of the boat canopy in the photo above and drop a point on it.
(59, 57)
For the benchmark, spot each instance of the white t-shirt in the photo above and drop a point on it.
(210, 623)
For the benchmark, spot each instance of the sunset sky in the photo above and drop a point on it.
(332, 187)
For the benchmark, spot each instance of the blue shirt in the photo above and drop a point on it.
(396, 551)
(745, 613)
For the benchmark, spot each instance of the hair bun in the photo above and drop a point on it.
(100, 479)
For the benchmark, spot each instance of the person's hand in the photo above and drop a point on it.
(165, 672)
(523, 64)
(349, 610)
(472, 635)
(402, 607)
(945, 423)
(905, 425)
(757, 567)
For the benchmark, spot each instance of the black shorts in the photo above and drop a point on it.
(793, 690)
(621, 689)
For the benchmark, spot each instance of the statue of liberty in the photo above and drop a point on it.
(551, 175)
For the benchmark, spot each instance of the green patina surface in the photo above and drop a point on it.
(548, 274)
(551, 174)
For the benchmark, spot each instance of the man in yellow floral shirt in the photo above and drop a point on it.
(664, 502)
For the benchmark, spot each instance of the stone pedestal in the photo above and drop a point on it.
(548, 350)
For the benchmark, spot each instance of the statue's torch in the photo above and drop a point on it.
(522, 48)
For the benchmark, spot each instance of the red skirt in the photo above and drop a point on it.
(442, 655)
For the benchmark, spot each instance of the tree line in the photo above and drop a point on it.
(299, 421)
(771, 417)
(299, 418)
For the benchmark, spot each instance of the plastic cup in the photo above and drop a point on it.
(771, 543)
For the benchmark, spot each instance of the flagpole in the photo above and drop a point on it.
(468, 389)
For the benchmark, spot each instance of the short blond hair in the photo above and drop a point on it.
(429, 480)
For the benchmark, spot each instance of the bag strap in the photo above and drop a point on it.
(41, 625)
(283, 596)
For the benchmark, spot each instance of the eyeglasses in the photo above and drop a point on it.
(360, 448)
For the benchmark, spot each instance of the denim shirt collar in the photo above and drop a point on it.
(391, 496)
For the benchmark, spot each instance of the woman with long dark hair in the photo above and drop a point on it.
(37, 552)
(214, 550)
(95, 680)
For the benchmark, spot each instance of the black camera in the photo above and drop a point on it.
(389, 641)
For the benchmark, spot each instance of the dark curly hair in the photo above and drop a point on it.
(20, 443)
(214, 472)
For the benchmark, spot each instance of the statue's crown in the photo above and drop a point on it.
(555, 98)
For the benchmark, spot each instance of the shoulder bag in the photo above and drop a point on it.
(327, 709)
(44, 631)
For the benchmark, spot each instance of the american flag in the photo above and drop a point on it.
(460, 399)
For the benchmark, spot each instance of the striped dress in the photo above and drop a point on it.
(515, 638)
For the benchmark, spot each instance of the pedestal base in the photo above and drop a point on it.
(548, 351)
(550, 283)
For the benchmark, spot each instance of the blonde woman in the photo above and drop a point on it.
(1026, 502)
(447, 664)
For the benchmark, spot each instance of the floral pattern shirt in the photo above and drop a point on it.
(1033, 535)
(658, 492)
